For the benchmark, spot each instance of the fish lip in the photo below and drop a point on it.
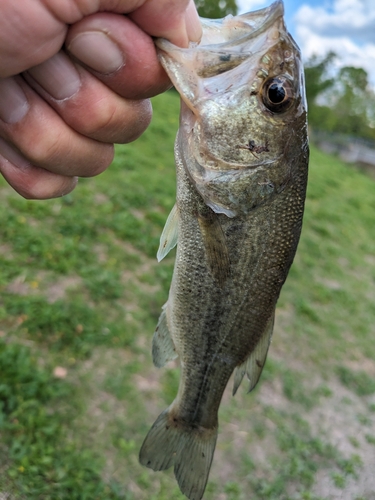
(232, 46)
(271, 14)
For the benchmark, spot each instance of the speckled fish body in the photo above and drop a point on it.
(241, 156)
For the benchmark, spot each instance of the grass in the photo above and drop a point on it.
(80, 296)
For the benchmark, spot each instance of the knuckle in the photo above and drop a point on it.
(69, 154)
(119, 121)
(43, 150)
(102, 116)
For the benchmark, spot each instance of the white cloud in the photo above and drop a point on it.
(354, 18)
(347, 29)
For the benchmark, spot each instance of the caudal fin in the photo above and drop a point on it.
(171, 442)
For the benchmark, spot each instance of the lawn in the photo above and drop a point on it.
(81, 293)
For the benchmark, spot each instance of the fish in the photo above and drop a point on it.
(241, 156)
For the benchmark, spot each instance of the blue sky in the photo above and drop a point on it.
(345, 26)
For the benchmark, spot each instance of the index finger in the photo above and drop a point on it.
(32, 32)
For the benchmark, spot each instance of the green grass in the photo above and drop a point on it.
(34, 415)
(81, 289)
(358, 381)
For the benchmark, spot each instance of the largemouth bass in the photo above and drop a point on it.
(241, 157)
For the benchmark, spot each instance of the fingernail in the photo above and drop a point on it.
(58, 76)
(13, 102)
(10, 154)
(98, 51)
(193, 24)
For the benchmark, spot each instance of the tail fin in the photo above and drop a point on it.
(190, 449)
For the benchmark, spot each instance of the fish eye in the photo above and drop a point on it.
(277, 94)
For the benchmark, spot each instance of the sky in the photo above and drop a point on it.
(345, 26)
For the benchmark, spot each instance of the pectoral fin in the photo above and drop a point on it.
(163, 349)
(215, 245)
(169, 236)
(255, 362)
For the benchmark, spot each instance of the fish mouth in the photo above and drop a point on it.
(231, 34)
(224, 167)
(259, 20)
(233, 45)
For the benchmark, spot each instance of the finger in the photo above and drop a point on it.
(23, 46)
(43, 138)
(118, 53)
(86, 104)
(177, 21)
(29, 181)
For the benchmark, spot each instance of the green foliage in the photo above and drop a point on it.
(352, 103)
(170, 383)
(316, 76)
(295, 390)
(40, 464)
(301, 456)
(65, 324)
(21, 380)
(212, 9)
(370, 439)
(339, 101)
(360, 381)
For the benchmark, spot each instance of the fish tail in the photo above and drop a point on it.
(190, 449)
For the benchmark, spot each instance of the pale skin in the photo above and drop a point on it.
(75, 78)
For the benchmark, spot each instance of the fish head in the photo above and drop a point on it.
(243, 116)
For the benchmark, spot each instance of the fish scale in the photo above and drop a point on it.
(241, 168)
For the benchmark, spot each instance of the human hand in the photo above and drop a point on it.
(62, 111)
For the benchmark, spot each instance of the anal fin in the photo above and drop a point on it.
(163, 349)
(254, 363)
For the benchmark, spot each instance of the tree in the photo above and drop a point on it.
(317, 71)
(354, 79)
(213, 9)
(352, 101)
(339, 100)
